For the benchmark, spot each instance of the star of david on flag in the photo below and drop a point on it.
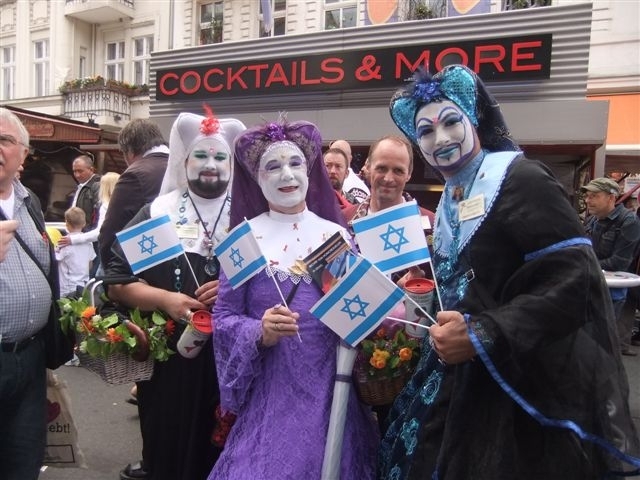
(239, 255)
(357, 304)
(149, 243)
(393, 239)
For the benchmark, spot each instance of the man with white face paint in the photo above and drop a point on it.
(177, 406)
(276, 384)
(522, 371)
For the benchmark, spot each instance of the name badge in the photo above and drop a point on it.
(471, 208)
(187, 231)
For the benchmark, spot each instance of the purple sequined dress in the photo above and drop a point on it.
(282, 394)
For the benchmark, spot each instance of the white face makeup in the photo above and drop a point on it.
(446, 136)
(208, 168)
(283, 178)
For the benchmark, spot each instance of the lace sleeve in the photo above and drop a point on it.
(236, 340)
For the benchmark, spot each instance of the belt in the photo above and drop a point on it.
(13, 347)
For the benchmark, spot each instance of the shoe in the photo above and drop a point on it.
(134, 471)
(629, 353)
(132, 400)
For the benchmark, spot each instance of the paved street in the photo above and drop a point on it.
(108, 430)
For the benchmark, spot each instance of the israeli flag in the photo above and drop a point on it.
(150, 243)
(357, 304)
(393, 239)
(239, 255)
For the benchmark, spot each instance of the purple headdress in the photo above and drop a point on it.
(248, 200)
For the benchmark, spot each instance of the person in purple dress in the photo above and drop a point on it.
(276, 362)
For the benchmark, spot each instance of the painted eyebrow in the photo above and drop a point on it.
(448, 110)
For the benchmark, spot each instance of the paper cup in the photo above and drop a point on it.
(195, 335)
(421, 291)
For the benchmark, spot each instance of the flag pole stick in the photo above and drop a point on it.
(284, 302)
(421, 309)
(195, 279)
(435, 281)
(408, 322)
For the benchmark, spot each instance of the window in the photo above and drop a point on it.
(82, 65)
(142, 48)
(339, 14)
(279, 16)
(211, 21)
(115, 61)
(41, 67)
(8, 73)
(518, 4)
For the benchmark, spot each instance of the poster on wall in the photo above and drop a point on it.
(381, 11)
(459, 8)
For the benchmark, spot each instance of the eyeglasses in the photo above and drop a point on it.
(9, 141)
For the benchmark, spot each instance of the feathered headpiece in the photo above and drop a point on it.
(463, 87)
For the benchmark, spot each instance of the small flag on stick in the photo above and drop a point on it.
(393, 239)
(360, 300)
(239, 255)
(150, 243)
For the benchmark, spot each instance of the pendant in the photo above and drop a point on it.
(212, 267)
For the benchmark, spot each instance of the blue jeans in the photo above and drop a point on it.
(23, 418)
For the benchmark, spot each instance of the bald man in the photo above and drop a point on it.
(353, 185)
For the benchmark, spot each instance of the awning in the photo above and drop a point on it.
(51, 128)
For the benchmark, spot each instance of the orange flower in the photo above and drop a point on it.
(378, 362)
(170, 327)
(405, 354)
(88, 312)
(381, 333)
(87, 325)
(113, 336)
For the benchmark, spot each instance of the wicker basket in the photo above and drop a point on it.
(379, 391)
(118, 368)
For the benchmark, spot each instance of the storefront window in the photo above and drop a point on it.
(115, 61)
(339, 14)
(211, 22)
(8, 72)
(279, 16)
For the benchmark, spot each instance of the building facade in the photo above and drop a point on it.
(90, 60)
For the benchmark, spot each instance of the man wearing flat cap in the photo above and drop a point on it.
(615, 233)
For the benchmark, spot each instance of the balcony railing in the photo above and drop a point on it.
(99, 11)
(101, 101)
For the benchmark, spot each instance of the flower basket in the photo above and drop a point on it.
(384, 365)
(117, 368)
(120, 347)
(380, 390)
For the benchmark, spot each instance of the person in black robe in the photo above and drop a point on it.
(521, 378)
(177, 406)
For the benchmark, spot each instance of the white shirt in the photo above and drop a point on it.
(74, 265)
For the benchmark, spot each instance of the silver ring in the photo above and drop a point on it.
(188, 315)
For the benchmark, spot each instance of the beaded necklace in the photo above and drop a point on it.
(212, 266)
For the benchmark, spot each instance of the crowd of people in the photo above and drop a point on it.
(521, 376)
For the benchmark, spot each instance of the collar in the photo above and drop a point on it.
(157, 149)
(289, 217)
